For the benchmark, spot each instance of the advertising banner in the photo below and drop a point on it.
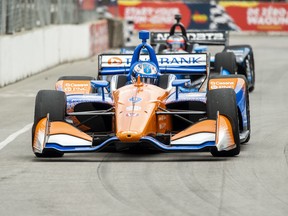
(256, 16)
(99, 37)
(200, 18)
(159, 15)
(156, 15)
(87, 5)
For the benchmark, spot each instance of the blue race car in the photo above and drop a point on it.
(235, 59)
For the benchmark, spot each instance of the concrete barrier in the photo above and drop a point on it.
(28, 53)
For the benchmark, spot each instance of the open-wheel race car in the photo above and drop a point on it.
(233, 59)
(143, 106)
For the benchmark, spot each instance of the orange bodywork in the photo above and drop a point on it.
(135, 112)
(74, 86)
(226, 83)
(208, 126)
(62, 128)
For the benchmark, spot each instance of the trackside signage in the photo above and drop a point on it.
(107, 61)
(258, 16)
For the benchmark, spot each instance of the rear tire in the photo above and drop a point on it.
(247, 62)
(225, 60)
(224, 101)
(54, 103)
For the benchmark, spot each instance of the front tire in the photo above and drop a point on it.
(54, 103)
(224, 101)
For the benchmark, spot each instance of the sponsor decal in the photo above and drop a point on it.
(192, 36)
(162, 126)
(179, 61)
(135, 99)
(213, 36)
(162, 118)
(114, 61)
(163, 60)
(132, 114)
(258, 16)
(76, 84)
(76, 87)
(135, 108)
(222, 84)
(236, 51)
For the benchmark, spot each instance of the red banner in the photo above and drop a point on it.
(99, 37)
(254, 16)
(155, 15)
(87, 4)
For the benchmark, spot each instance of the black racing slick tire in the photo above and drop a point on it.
(224, 101)
(246, 66)
(225, 60)
(249, 61)
(54, 103)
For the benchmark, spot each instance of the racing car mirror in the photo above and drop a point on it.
(100, 84)
(180, 83)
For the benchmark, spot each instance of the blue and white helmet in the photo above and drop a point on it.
(147, 71)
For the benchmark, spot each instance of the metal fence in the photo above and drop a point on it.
(22, 15)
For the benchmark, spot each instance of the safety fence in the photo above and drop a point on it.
(21, 15)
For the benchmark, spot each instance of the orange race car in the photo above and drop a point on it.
(143, 105)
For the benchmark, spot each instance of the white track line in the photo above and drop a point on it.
(13, 136)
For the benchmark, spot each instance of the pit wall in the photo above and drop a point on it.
(28, 53)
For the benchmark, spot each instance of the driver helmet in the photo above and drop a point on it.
(147, 71)
(176, 42)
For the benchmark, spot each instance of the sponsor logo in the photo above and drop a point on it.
(76, 84)
(181, 60)
(200, 36)
(132, 114)
(135, 99)
(162, 126)
(135, 108)
(267, 16)
(114, 61)
(162, 118)
(236, 52)
(222, 84)
(70, 87)
(163, 60)
(213, 36)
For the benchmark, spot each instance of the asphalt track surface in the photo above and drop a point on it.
(145, 183)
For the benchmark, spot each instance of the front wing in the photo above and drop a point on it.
(64, 137)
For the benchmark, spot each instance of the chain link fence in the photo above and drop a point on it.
(23, 15)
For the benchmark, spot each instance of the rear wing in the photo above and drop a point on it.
(201, 37)
(176, 63)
